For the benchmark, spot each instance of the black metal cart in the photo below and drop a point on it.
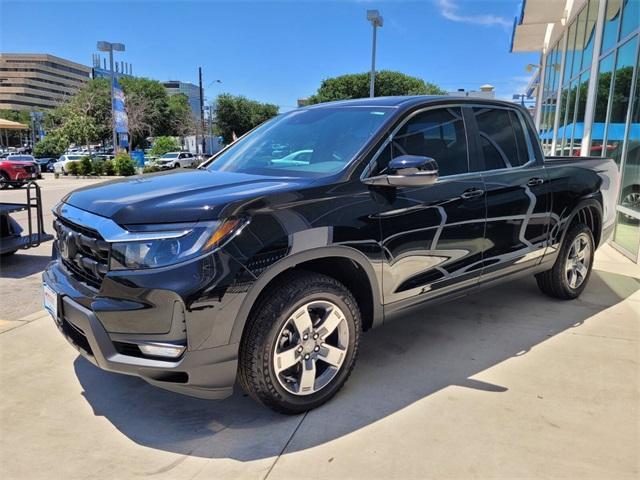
(12, 237)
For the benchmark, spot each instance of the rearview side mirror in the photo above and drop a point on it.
(407, 171)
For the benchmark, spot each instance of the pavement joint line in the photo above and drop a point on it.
(286, 445)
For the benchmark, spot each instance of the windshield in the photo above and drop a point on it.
(21, 158)
(313, 142)
(169, 155)
(74, 157)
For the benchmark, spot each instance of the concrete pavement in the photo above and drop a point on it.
(506, 383)
(503, 384)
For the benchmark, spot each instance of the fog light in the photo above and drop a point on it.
(161, 349)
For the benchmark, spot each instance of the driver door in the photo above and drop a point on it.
(432, 236)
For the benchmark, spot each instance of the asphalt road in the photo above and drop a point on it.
(20, 285)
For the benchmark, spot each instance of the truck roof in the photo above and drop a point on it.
(409, 101)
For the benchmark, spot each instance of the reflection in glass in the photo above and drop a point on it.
(630, 17)
(570, 48)
(612, 17)
(581, 102)
(581, 24)
(602, 101)
(621, 97)
(630, 186)
(590, 32)
(627, 233)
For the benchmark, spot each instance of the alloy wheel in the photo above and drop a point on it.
(578, 261)
(311, 347)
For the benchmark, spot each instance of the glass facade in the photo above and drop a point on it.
(613, 128)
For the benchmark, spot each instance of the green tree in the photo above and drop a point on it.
(162, 145)
(147, 105)
(238, 114)
(388, 83)
(79, 129)
(52, 145)
(181, 120)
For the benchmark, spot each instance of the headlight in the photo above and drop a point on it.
(189, 242)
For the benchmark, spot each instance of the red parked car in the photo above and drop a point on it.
(16, 173)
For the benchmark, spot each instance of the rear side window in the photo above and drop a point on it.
(501, 137)
(439, 134)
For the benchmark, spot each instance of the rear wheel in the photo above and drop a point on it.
(301, 344)
(569, 275)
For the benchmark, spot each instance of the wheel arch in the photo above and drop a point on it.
(345, 264)
(588, 211)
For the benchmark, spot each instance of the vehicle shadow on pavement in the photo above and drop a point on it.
(21, 266)
(401, 363)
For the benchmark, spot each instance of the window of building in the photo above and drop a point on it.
(630, 17)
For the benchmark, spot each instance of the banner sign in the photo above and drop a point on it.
(119, 111)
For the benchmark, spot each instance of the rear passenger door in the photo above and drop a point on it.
(518, 205)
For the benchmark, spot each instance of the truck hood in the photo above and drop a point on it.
(180, 196)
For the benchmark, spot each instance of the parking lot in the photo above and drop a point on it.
(506, 383)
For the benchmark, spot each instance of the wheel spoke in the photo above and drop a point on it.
(286, 359)
(332, 355)
(302, 320)
(308, 376)
(330, 323)
(582, 270)
(572, 278)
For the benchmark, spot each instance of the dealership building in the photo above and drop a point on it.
(587, 89)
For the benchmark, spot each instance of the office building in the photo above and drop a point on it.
(192, 92)
(38, 81)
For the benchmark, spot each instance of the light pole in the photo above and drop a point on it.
(376, 21)
(111, 47)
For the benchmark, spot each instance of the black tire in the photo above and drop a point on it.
(176, 165)
(8, 254)
(256, 373)
(554, 282)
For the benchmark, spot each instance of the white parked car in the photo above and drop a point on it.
(177, 160)
(61, 165)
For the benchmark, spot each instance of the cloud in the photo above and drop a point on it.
(450, 10)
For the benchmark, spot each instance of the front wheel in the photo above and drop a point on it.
(570, 274)
(301, 343)
(4, 181)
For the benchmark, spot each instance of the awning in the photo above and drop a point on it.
(11, 125)
(531, 25)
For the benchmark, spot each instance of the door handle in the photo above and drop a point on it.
(472, 193)
(535, 182)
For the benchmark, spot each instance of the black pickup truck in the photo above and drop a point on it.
(267, 263)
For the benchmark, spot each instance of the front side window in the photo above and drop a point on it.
(439, 134)
(312, 142)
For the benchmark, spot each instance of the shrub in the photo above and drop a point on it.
(73, 168)
(97, 167)
(124, 165)
(109, 168)
(151, 169)
(86, 166)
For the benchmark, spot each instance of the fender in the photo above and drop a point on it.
(557, 238)
(293, 260)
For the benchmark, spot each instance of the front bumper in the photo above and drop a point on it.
(206, 373)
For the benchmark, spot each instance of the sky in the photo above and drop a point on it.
(279, 51)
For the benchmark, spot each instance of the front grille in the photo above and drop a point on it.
(30, 168)
(83, 251)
